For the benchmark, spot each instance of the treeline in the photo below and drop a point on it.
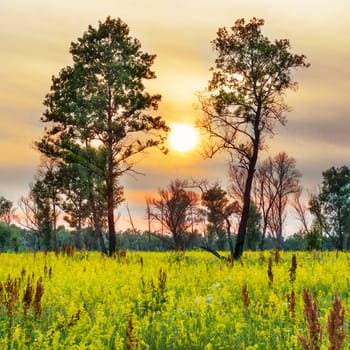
(16, 239)
(193, 214)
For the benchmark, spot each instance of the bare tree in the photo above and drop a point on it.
(41, 209)
(301, 210)
(287, 183)
(30, 216)
(149, 216)
(176, 211)
(265, 190)
(245, 99)
(276, 179)
(237, 176)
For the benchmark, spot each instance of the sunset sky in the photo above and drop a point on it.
(34, 41)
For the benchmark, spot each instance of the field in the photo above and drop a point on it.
(80, 300)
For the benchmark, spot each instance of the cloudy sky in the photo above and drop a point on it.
(34, 41)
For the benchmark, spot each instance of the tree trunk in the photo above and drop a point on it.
(111, 228)
(242, 229)
(340, 231)
(54, 220)
(110, 204)
(95, 216)
(229, 237)
(178, 241)
(97, 223)
(78, 233)
(263, 235)
(280, 224)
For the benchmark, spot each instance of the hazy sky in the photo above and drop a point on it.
(34, 41)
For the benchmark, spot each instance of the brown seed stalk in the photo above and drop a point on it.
(293, 269)
(245, 296)
(37, 298)
(270, 273)
(27, 298)
(336, 324)
(131, 337)
(314, 339)
(291, 303)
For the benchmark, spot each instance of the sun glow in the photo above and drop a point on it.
(183, 137)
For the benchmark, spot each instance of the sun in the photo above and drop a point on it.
(183, 137)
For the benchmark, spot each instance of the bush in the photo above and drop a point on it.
(295, 242)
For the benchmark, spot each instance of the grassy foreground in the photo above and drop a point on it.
(80, 300)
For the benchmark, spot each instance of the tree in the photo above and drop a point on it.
(265, 188)
(331, 207)
(244, 99)
(100, 104)
(301, 210)
(75, 202)
(294, 242)
(176, 211)
(47, 191)
(41, 208)
(6, 210)
(37, 215)
(219, 210)
(237, 176)
(313, 238)
(11, 237)
(276, 180)
(46, 215)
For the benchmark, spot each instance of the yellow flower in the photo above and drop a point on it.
(17, 333)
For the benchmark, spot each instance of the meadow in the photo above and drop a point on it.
(144, 300)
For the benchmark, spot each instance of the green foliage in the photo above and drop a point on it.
(45, 216)
(253, 234)
(5, 210)
(139, 241)
(295, 242)
(331, 207)
(11, 237)
(313, 238)
(154, 296)
(219, 209)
